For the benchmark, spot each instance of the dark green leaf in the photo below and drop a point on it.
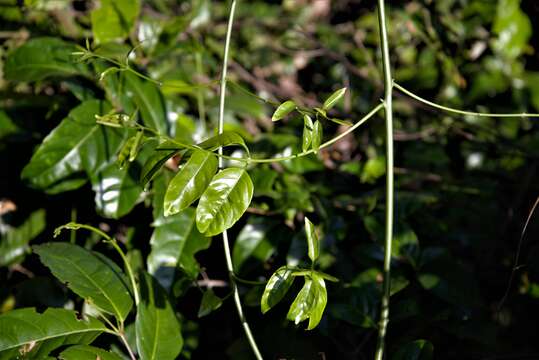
(312, 240)
(87, 352)
(157, 327)
(89, 275)
(333, 98)
(307, 137)
(156, 160)
(227, 138)
(224, 201)
(276, 288)
(14, 243)
(24, 326)
(317, 136)
(175, 242)
(284, 109)
(417, 350)
(190, 182)
(40, 58)
(210, 302)
(113, 19)
(77, 144)
(253, 237)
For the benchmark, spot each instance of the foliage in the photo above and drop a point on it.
(109, 120)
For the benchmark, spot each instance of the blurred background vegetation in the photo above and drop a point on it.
(465, 185)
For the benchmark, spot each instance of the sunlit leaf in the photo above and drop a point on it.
(307, 137)
(276, 288)
(87, 352)
(284, 109)
(89, 275)
(224, 201)
(333, 99)
(113, 19)
(14, 242)
(317, 136)
(310, 302)
(312, 240)
(190, 182)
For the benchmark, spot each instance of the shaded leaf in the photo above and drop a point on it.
(157, 327)
(156, 160)
(313, 244)
(24, 326)
(276, 288)
(87, 352)
(284, 109)
(333, 98)
(77, 144)
(14, 243)
(40, 58)
(224, 201)
(210, 302)
(190, 182)
(89, 275)
(417, 350)
(253, 237)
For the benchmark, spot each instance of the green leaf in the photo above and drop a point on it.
(89, 275)
(175, 242)
(41, 58)
(190, 182)
(284, 109)
(61, 326)
(114, 19)
(417, 350)
(224, 201)
(317, 136)
(210, 302)
(276, 288)
(513, 27)
(253, 240)
(312, 240)
(14, 243)
(310, 302)
(227, 138)
(116, 190)
(333, 98)
(308, 128)
(78, 144)
(156, 160)
(87, 352)
(147, 97)
(157, 327)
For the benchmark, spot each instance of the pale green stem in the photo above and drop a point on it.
(388, 84)
(457, 111)
(226, 244)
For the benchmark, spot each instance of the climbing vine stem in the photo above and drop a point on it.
(226, 244)
(388, 102)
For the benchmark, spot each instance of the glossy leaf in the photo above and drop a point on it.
(113, 19)
(227, 138)
(276, 288)
(307, 137)
(61, 326)
(158, 330)
(416, 350)
(175, 242)
(89, 275)
(224, 201)
(156, 160)
(14, 243)
(284, 109)
(253, 240)
(317, 136)
(210, 302)
(87, 352)
(312, 240)
(78, 144)
(310, 302)
(190, 182)
(116, 190)
(40, 58)
(333, 99)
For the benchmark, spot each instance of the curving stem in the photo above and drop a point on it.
(388, 84)
(226, 244)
